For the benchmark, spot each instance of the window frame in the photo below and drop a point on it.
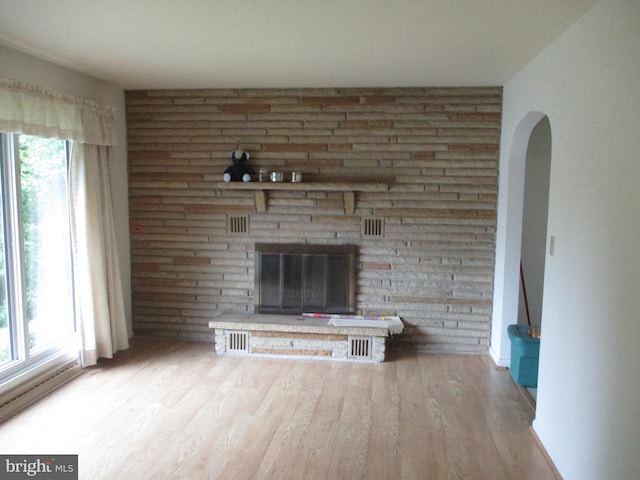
(26, 361)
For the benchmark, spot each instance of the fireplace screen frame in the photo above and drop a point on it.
(323, 258)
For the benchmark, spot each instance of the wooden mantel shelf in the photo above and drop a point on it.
(348, 187)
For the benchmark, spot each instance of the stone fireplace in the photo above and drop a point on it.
(294, 278)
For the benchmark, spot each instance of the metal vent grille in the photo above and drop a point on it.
(360, 347)
(238, 342)
(373, 227)
(238, 224)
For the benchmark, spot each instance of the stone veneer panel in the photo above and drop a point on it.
(434, 265)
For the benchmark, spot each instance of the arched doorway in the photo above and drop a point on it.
(533, 246)
(534, 223)
(527, 168)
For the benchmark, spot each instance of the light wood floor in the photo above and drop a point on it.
(176, 410)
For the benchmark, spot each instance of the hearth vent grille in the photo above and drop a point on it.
(238, 342)
(238, 224)
(373, 227)
(360, 347)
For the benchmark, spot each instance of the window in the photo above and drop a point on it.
(36, 290)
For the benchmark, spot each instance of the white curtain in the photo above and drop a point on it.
(31, 110)
(100, 313)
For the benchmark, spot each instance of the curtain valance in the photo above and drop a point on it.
(32, 110)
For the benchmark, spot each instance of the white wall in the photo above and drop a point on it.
(18, 66)
(587, 82)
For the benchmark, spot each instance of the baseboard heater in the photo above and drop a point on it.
(16, 399)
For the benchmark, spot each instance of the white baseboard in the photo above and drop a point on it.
(543, 444)
(499, 362)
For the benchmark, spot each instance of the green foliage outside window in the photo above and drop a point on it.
(42, 166)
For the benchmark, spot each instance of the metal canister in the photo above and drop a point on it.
(296, 177)
(277, 176)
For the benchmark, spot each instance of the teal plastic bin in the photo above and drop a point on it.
(525, 353)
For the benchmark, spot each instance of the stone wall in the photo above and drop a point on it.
(432, 264)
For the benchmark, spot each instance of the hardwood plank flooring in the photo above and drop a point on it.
(175, 410)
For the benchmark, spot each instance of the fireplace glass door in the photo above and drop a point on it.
(303, 278)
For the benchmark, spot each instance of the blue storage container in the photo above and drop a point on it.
(525, 353)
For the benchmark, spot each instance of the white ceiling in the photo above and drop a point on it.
(141, 44)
